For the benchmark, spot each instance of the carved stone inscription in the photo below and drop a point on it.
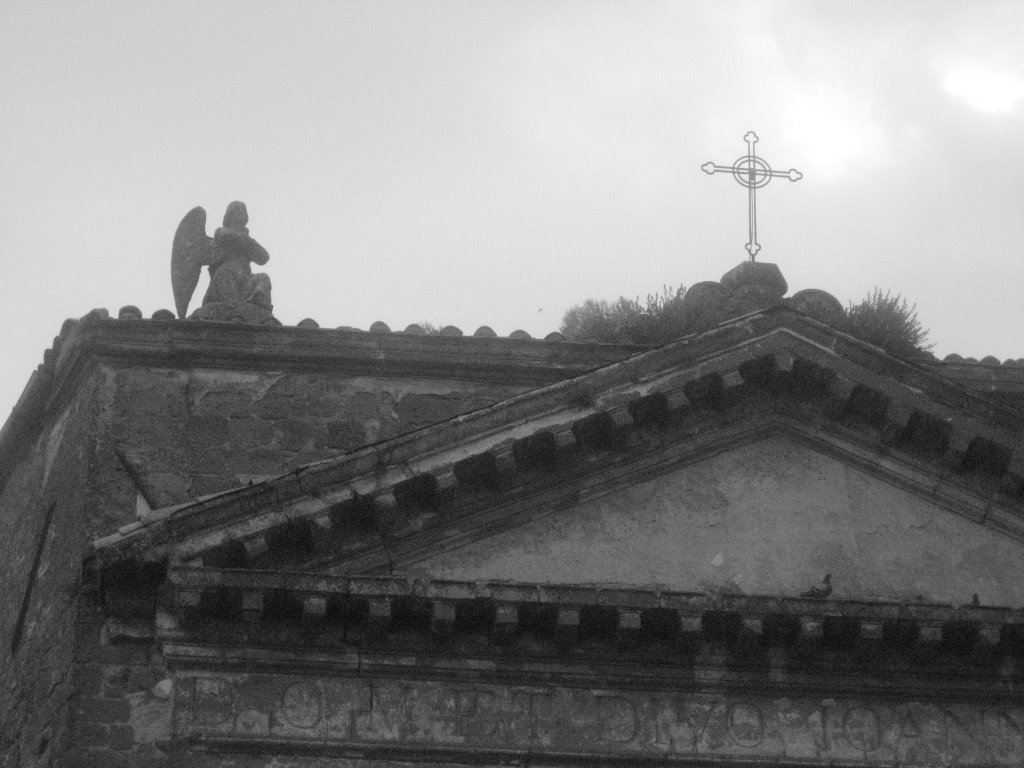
(354, 711)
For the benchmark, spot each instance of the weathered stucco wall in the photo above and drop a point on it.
(772, 517)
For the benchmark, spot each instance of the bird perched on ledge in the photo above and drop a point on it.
(821, 591)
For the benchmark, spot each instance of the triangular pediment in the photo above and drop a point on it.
(867, 444)
(767, 517)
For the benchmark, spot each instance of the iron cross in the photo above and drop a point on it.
(751, 172)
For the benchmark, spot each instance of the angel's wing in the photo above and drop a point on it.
(191, 250)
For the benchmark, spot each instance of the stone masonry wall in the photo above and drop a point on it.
(41, 512)
(120, 713)
(165, 435)
(175, 435)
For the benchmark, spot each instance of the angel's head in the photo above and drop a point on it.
(236, 217)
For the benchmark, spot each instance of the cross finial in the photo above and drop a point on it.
(752, 172)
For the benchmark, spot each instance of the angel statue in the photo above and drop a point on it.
(235, 293)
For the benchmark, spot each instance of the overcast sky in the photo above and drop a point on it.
(493, 163)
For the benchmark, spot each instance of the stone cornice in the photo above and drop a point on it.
(188, 583)
(1004, 381)
(195, 344)
(625, 636)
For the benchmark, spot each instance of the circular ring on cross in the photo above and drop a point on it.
(751, 171)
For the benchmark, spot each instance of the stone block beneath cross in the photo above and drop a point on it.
(757, 273)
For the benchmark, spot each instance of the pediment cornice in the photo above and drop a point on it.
(775, 370)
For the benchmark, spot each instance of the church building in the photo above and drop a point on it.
(228, 543)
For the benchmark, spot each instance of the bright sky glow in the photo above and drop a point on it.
(838, 135)
(492, 162)
(987, 90)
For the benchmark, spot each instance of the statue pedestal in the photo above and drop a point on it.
(235, 312)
